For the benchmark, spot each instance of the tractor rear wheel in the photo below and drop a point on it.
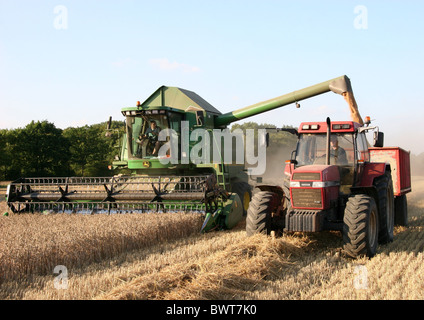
(401, 211)
(259, 214)
(386, 207)
(360, 226)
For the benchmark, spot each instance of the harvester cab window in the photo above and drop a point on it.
(143, 130)
(175, 121)
(312, 148)
(143, 133)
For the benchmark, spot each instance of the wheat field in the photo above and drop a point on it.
(165, 257)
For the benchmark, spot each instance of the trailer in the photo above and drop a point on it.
(399, 160)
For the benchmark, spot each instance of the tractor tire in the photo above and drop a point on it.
(386, 207)
(244, 190)
(401, 211)
(259, 214)
(360, 226)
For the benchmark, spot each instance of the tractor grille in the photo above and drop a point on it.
(306, 176)
(307, 198)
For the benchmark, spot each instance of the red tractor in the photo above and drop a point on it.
(335, 181)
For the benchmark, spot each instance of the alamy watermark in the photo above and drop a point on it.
(361, 19)
(361, 277)
(213, 146)
(60, 21)
(61, 281)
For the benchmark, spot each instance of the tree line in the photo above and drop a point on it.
(40, 149)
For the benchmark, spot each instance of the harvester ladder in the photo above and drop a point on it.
(220, 172)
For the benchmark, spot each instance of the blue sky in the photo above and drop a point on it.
(106, 55)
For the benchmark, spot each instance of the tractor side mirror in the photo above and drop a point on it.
(378, 139)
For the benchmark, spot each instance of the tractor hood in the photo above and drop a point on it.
(322, 173)
(314, 187)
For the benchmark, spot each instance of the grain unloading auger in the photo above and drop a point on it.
(219, 191)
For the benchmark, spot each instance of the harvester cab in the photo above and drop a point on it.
(336, 181)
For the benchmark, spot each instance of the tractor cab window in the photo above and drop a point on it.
(311, 149)
(362, 147)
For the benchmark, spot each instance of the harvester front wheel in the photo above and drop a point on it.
(244, 191)
(360, 226)
(259, 214)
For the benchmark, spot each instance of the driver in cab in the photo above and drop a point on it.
(151, 135)
(337, 152)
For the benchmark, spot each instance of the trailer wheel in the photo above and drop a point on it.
(259, 214)
(401, 211)
(360, 226)
(244, 190)
(386, 207)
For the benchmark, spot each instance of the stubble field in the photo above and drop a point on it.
(164, 257)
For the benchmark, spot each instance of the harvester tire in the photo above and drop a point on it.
(259, 214)
(244, 190)
(386, 207)
(401, 211)
(360, 226)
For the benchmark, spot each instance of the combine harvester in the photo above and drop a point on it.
(219, 191)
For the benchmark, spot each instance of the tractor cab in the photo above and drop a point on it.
(346, 145)
(312, 144)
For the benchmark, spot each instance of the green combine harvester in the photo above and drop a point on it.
(219, 191)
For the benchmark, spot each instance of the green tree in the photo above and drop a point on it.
(85, 148)
(278, 140)
(9, 166)
(4, 154)
(40, 149)
(91, 149)
(111, 138)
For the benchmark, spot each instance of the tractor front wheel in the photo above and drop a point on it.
(360, 226)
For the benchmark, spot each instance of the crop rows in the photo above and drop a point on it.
(34, 244)
(163, 256)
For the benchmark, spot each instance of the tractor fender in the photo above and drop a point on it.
(276, 189)
(370, 173)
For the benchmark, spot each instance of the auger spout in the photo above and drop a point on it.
(340, 85)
